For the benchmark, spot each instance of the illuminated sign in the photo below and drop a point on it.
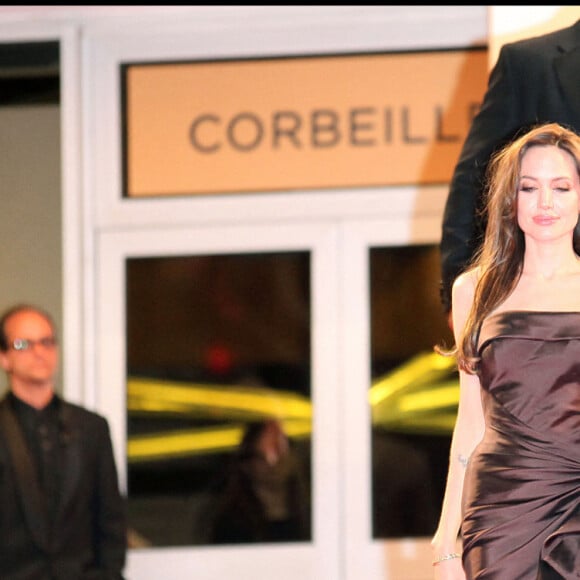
(297, 123)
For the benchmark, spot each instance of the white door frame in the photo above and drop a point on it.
(366, 557)
(319, 558)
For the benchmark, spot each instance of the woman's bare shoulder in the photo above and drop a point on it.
(462, 296)
(465, 283)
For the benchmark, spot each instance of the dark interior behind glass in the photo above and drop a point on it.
(220, 345)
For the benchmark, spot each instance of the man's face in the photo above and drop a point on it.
(32, 355)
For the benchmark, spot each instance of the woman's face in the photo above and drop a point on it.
(548, 198)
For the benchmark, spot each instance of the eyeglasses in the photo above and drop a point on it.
(23, 344)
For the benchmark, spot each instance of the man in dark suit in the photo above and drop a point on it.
(62, 516)
(535, 80)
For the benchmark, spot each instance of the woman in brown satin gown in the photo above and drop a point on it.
(513, 486)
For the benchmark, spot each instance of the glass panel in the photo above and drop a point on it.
(414, 391)
(218, 399)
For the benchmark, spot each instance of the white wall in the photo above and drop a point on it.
(30, 211)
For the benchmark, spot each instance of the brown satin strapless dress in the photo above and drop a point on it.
(522, 484)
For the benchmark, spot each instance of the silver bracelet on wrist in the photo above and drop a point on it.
(446, 557)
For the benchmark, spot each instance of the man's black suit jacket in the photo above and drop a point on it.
(88, 540)
(535, 80)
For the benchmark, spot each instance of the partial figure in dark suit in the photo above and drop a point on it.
(535, 80)
(62, 516)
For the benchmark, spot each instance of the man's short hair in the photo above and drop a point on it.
(17, 309)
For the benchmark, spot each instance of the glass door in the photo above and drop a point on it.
(216, 361)
(213, 342)
(401, 408)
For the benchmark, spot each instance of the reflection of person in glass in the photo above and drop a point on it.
(264, 497)
(514, 474)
